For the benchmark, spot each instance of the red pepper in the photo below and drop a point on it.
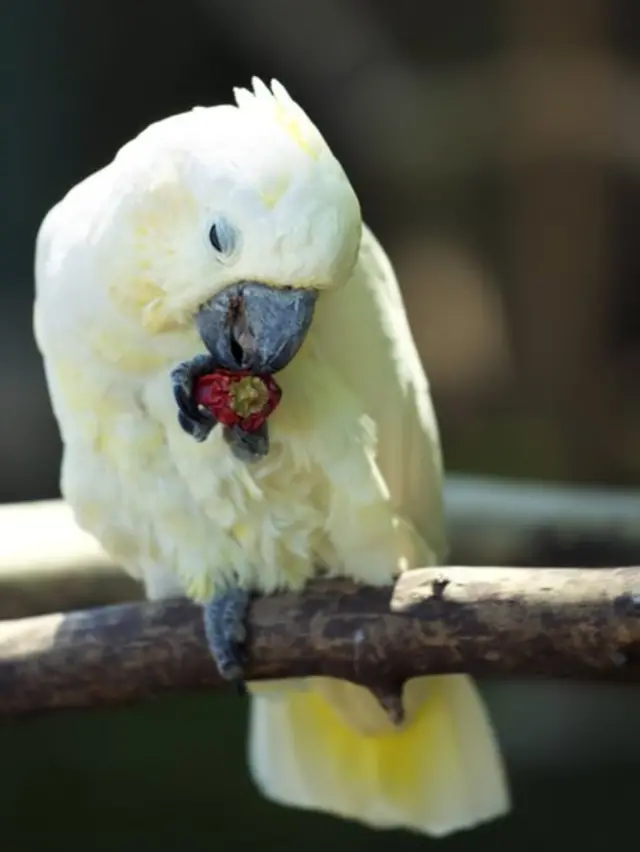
(238, 398)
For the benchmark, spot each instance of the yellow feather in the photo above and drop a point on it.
(275, 189)
(296, 130)
(439, 772)
(279, 106)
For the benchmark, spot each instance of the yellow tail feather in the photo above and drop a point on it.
(328, 747)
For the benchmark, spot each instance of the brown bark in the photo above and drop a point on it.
(568, 623)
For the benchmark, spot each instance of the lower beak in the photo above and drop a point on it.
(251, 326)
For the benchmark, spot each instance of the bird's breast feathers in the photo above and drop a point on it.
(196, 510)
(317, 496)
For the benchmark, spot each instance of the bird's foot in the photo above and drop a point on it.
(196, 420)
(390, 698)
(226, 632)
(248, 446)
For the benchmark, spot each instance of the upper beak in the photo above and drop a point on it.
(251, 326)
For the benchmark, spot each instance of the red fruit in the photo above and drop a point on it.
(238, 398)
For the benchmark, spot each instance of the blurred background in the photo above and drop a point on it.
(495, 147)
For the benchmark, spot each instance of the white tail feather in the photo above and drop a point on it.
(441, 774)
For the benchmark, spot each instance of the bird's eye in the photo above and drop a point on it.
(214, 238)
(222, 236)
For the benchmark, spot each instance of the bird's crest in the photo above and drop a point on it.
(279, 106)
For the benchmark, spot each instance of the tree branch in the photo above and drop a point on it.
(568, 623)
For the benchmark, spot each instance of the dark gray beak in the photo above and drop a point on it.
(251, 326)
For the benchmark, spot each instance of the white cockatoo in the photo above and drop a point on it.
(230, 238)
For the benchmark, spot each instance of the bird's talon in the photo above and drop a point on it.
(196, 420)
(248, 446)
(225, 628)
(199, 431)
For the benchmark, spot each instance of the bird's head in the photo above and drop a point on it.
(234, 218)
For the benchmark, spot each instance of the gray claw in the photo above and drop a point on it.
(198, 429)
(248, 446)
(226, 632)
(196, 421)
